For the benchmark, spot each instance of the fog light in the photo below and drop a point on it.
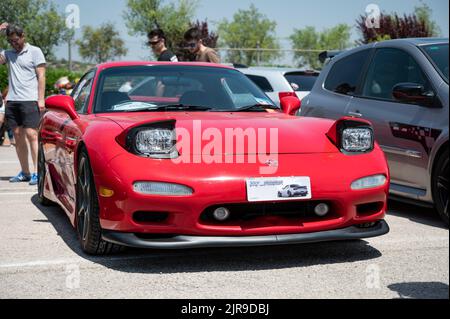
(221, 214)
(322, 209)
(369, 182)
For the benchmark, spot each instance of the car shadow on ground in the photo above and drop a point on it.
(417, 214)
(214, 259)
(421, 290)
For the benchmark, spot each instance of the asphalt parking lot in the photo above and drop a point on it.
(40, 258)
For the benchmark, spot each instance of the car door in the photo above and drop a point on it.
(404, 130)
(71, 132)
(335, 87)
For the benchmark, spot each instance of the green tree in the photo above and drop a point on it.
(102, 44)
(424, 13)
(336, 38)
(142, 16)
(43, 24)
(249, 29)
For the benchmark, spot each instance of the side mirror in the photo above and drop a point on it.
(290, 105)
(413, 93)
(62, 103)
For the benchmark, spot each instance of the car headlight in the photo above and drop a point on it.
(155, 140)
(369, 182)
(358, 139)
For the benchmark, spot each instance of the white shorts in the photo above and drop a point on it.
(2, 109)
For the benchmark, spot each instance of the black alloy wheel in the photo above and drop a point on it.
(440, 186)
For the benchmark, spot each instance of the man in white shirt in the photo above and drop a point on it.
(26, 97)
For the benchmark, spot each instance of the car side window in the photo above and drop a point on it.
(82, 93)
(344, 75)
(261, 82)
(390, 67)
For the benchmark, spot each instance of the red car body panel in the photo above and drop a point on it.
(303, 150)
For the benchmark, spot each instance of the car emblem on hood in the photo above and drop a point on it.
(272, 163)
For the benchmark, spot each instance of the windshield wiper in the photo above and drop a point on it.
(257, 108)
(175, 107)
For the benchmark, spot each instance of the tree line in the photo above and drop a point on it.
(250, 36)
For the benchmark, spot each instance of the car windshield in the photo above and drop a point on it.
(438, 53)
(177, 87)
(302, 81)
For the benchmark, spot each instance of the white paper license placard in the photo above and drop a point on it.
(278, 188)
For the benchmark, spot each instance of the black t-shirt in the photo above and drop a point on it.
(168, 56)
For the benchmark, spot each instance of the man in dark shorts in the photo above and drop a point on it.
(26, 97)
(157, 41)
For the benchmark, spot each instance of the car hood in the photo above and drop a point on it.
(263, 132)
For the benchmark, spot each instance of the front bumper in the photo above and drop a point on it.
(224, 184)
(182, 242)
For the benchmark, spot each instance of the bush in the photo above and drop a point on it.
(53, 74)
(3, 77)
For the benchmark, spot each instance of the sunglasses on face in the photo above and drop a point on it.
(191, 45)
(153, 43)
(13, 41)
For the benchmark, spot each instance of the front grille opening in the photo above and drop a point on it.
(369, 209)
(295, 211)
(150, 217)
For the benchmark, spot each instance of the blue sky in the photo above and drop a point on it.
(289, 15)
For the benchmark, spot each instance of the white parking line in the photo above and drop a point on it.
(42, 263)
(56, 262)
(17, 193)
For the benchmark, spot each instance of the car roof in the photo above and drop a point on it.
(421, 41)
(109, 65)
(417, 42)
(271, 70)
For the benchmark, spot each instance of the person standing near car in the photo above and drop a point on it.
(2, 120)
(157, 41)
(195, 46)
(26, 97)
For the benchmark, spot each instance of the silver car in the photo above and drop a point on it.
(401, 86)
(293, 191)
(280, 82)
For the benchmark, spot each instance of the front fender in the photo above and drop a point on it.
(99, 140)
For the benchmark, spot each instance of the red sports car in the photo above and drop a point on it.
(187, 155)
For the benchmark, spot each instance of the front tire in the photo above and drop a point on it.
(87, 210)
(42, 172)
(440, 186)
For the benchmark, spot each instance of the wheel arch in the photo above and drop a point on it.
(435, 159)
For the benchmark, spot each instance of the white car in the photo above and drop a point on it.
(293, 191)
(281, 82)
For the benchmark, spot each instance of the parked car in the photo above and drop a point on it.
(401, 86)
(293, 191)
(140, 171)
(280, 82)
